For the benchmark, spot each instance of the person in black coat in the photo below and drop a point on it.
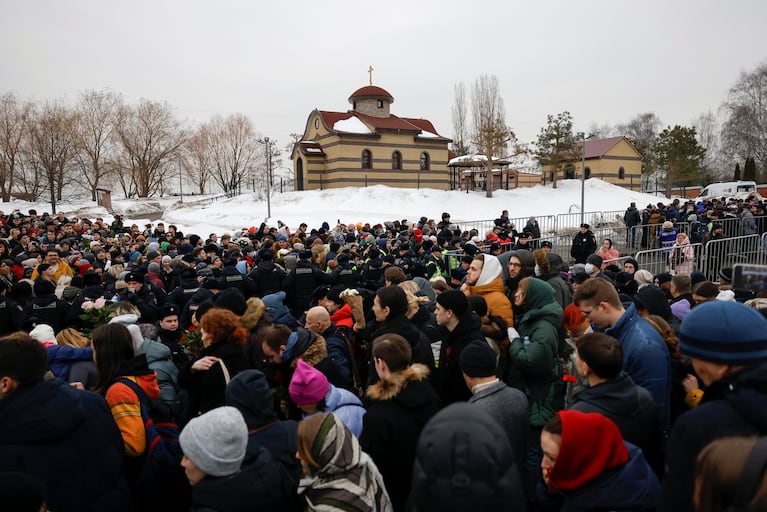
(214, 446)
(11, 314)
(584, 244)
(64, 437)
(735, 400)
(222, 358)
(188, 287)
(398, 407)
(460, 328)
(46, 307)
(464, 461)
(301, 282)
(344, 274)
(613, 394)
(267, 276)
(250, 393)
(390, 307)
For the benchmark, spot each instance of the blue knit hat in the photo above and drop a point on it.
(724, 332)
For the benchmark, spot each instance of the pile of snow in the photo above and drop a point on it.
(374, 204)
(351, 125)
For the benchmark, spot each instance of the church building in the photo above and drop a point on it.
(368, 145)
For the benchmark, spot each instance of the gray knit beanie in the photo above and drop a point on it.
(216, 441)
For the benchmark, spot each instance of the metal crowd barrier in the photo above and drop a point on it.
(719, 254)
(658, 261)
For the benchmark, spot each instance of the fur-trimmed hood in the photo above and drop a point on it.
(315, 353)
(253, 313)
(390, 387)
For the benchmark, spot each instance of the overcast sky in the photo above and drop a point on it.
(604, 61)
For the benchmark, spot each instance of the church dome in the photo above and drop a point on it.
(371, 92)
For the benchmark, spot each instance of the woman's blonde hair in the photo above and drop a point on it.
(125, 308)
(72, 338)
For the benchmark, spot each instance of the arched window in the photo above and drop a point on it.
(569, 172)
(587, 173)
(425, 161)
(621, 173)
(396, 160)
(367, 157)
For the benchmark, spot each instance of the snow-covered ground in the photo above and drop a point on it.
(352, 205)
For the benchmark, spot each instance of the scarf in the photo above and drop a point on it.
(347, 480)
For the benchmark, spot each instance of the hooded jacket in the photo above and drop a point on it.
(596, 470)
(490, 286)
(735, 405)
(46, 428)
(549, 267)
(465, 462)
(398, 409)
(645, 358)
(631, 408)
(256, 487)
(249, 392)
(534, 355)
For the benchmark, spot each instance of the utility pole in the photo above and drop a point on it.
(268, 177)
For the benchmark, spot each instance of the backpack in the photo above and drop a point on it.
(162, 458)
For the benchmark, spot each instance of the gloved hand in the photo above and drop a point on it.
(512, 333)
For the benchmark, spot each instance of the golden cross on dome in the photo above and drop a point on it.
(370, 72)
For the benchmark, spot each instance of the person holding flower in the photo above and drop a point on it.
(222, 357)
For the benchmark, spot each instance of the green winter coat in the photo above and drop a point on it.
(535, 368)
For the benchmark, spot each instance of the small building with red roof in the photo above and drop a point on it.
(614, 160)
(368, 145)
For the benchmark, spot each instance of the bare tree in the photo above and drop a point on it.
(708, 134)
(94, 125)
(13, 126)
(150, 137)
(197, 160)
(234, 148)
(744, 132)
(490, 132)
(460, 121)
(642, 131)
(52, 147)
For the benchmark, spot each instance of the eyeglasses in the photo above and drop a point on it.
(512, 264)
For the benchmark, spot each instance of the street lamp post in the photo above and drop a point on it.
(583, 174)
(268, 174)
(180, 184)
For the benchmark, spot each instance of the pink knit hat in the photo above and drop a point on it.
(308, 385)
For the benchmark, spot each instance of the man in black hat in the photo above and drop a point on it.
(435, 265)
(584, 244)
(140, 295)
(453, 314)
(523, 243)
(169, 331)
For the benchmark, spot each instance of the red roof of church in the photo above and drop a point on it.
(597, 148)
(371, 91)
(380, 123)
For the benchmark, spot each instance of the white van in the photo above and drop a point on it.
(727, 189)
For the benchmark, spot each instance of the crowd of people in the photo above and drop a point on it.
(355, 368)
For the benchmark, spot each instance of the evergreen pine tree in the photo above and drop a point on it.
(736, 177)
(749, 171)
